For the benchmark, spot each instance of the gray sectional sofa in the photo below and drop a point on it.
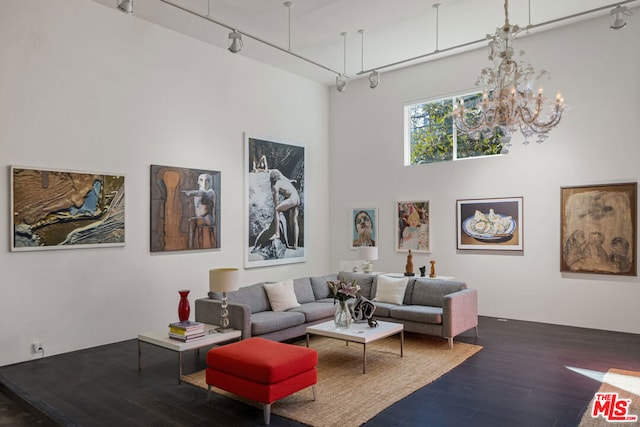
(430, 306)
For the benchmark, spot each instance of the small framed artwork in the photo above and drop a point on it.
(413, 226)
(490, 224)
(364, 227)
(275, 202)
(598, 229)
(185, 209)
(61, 209)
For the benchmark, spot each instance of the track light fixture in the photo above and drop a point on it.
(341, 80)
(617, 17)
(236, 42)
(374, 79)
(126, 6)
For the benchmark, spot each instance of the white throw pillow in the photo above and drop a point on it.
(391, 289)
(281, 295)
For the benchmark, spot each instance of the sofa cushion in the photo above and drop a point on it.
(383, 309)
(271, 321)
(390, 289)
(304, 292)
(407, 293)
(431, 291)
(281, 295)
(254, 296)
(365, 281)
(417, 313)
(316, 310)
(319, 285)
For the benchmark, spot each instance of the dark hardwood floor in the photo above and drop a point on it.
(520, 378)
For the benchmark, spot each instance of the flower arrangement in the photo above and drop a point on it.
(342, 291)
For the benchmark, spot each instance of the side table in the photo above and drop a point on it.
(161, 339)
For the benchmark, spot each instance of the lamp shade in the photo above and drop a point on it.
(369, 253)
(224, 279)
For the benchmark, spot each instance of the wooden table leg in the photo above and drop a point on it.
(307, 340)
(402, 343)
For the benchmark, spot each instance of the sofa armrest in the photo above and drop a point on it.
(208, 311)
(459, 312)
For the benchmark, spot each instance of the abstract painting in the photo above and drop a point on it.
(185, 209)
(275, 195)
(490, 224)
(598, 230)
(413, 227)
(59, 209)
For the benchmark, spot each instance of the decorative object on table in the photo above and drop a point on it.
(423, 270)
(224, 280)
(364, 225)
(368, 254)
(184, 309)
(186, 330)
(341, 292)
(490, 224)
(509, 102)
(362, 310)
(408, 268)
(598, 232)
(60, 209)
(413, 227)
(432, 274)
(185, 209)
(275, 203)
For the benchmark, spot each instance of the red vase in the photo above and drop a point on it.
(183, 306)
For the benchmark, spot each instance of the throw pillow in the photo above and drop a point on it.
(391, 289)
(281, 295)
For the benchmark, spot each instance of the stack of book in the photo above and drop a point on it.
(186, 331)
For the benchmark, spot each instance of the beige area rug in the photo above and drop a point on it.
(346, 396)
(627, 385)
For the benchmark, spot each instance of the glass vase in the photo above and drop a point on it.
(343, 315)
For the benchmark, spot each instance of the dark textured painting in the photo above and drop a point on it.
(185, 209)
(275, 191)
(598, 230)
(57, 209)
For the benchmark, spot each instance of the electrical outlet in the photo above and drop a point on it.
(36, 347)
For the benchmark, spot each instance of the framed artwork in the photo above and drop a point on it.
(274, 194)
(490, 224)
(413, 226)
(60, 209)
(364, 227)
(598, 230)
(185, 209)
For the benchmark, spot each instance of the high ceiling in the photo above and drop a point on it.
(394, 31)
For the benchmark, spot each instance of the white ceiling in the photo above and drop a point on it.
(394, 30)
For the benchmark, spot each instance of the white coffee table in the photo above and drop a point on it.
(161, 339)
(360, 333)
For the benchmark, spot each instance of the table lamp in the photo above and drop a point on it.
(224, 280)
(368, 254)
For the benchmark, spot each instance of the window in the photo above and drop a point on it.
(431, 136)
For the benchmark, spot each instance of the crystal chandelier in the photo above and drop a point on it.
(508, 102)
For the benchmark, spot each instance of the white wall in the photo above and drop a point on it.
(598, 71)
(86, 87)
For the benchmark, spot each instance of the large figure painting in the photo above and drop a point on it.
(57, 209)
(598, 232)
(185, 209)
(275, 202)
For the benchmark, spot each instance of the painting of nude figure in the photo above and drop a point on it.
(598, 232)
(275, 188)
(185, 209)
(59, 209)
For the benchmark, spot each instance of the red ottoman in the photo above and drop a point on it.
(262, 370)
